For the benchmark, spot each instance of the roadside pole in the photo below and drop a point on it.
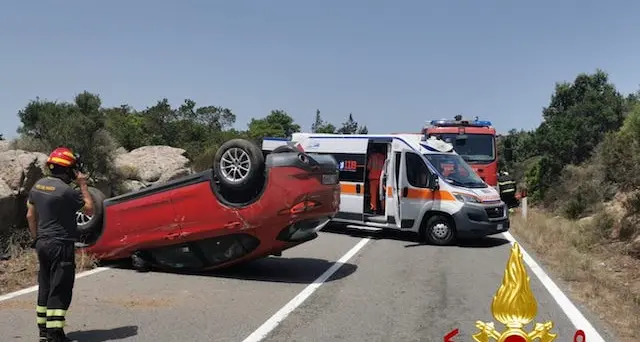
(523, 204)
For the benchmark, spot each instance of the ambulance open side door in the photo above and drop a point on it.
(412, 182)
(392, 171)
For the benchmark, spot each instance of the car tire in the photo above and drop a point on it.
(91, 225)
(439, 230)
(285, 149)
(238, 164)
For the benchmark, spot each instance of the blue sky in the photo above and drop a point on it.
(393, 64)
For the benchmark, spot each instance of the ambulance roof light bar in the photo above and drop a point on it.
(455, 123)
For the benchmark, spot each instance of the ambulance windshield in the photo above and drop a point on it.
(455, 170)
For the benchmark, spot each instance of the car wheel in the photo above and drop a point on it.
(90, 225)
(285, 149)
(439, 230)
(238, 163)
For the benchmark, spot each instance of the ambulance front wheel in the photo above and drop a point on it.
(439, 230)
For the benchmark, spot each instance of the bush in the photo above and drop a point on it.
(620, 159)
(204, 161)
(630, 223)
(580, 191)
(30, 144)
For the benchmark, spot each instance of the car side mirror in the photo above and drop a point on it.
(432, 182)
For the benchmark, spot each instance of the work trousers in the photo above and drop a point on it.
(56, 278)
(373, 191)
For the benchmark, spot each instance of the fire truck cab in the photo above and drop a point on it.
(473, 140)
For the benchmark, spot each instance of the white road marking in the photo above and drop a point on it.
(35, 287)
(279, 316)
(572, 312)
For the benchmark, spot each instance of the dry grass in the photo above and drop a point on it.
(21, 270)
(600, 275)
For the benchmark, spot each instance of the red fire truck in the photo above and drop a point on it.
(473, 140)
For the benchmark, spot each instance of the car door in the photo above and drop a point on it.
(145, 218)
(199, 213)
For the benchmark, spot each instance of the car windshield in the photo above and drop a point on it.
(471, 147)
(455, 170)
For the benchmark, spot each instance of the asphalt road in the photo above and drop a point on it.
(392, 289)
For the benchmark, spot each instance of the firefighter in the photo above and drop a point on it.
(507, 186)
(51, 212)
(374, 168)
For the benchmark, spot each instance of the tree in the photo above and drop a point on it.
(351, 127)
(1, 137)
(575, 122)
(579, 116)
(128, 127)
(320, 126)
(213, 117)
(277, 124)
(190, 127)
(80, 125)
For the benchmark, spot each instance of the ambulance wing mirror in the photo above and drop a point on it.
(432, 182)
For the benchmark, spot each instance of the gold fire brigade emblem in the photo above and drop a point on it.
(514, 306)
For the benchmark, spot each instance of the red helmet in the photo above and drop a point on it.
(62, 156)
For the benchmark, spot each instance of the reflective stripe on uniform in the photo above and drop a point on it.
(41, 312)
(55, 318)
(55, 324)
(56, 312)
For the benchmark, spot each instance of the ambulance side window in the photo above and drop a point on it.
(417, 171)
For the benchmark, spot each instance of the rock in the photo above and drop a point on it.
(131, 185)
(175, 174)
(585, 221)
(19, 170)
(634, 246)
(617, 212)
(150, 163)
(7, 206)
(5, 145)
(119, 151)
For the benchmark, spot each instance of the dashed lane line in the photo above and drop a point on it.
(281, 314)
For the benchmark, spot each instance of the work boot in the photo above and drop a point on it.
(57, 335)
(43, 334)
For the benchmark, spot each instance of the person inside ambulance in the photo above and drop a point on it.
(375, 164)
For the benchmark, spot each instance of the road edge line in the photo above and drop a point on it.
(34, 288)
(566, 305)
(275, 320)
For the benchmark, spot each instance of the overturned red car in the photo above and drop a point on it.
(247, 206)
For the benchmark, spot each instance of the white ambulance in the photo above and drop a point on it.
(424, 187)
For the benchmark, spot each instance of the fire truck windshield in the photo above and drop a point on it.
(473, 148)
